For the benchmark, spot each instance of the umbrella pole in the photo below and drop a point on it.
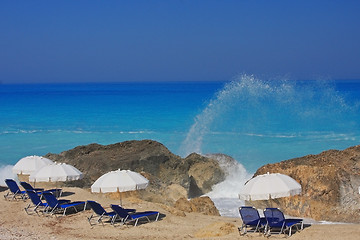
(120, 199)
(56, 191)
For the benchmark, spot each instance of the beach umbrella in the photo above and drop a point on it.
(119, 181)
(30, 164)
(269, 186)
(57, 172)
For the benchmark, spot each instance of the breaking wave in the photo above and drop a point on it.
(262, 121)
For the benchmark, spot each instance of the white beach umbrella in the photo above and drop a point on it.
(270, 186)
(57, 172)
(119, 181)
(30, 164)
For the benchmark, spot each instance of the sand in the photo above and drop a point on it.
(16, 224)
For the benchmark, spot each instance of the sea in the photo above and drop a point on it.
(252, 119)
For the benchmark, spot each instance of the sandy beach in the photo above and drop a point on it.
(16, 224)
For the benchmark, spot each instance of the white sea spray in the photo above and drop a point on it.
(6, 172)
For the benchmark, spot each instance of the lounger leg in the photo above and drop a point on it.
(113, 220)
(6, 195)
(290, 231)
(35, 210)
(100, 220)
(89, 219)
(125, 219)
(243, 227)
(26, 209)
(265, 229)
(282, 228)
(268, 231)
(257, 227)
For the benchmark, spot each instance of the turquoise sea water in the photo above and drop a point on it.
(256, 121)
(37, 119)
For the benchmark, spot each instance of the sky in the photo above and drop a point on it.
(114, 41)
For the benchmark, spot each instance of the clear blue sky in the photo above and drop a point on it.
(98, 41)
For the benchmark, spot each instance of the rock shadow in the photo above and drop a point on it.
(66, 194)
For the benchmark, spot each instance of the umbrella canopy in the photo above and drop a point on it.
(30, 164)
(57, 172)
(270, 186)
(119, 181)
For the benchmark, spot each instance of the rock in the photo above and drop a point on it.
(184, 205)
(195, 174)
(226, 162)
(202, 205)
(175, 191)
(216, 230)
(330, 185)
(205, 206)
(173, 211)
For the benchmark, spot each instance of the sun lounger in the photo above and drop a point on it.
(14, 191)
(276, 220)
(101, 212)
(37, 203)
(54, 205)
(250, 218)
(133, 217)
(27, 186)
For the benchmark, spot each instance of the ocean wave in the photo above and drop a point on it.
(300, 135)
(236, 176)
(136, 132)
(281, 109)
(37, 131)
(6, 172)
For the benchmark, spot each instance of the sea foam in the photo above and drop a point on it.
(261, 121)
(6, 172)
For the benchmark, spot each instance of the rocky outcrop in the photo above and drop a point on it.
(202, 205)
(330, 185)
(170, 176)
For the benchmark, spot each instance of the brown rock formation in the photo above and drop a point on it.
(189, 177)
(202, 205)
(330, 185)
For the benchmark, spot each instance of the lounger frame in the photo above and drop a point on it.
(128, 217)
(276, 220)
(251, 219)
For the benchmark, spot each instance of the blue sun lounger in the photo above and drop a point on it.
(250, 218)
(27, 186)
(133, 217)
(54, 205)
(14, 191)
(37, 203)
(276, 220)
(101, 213)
